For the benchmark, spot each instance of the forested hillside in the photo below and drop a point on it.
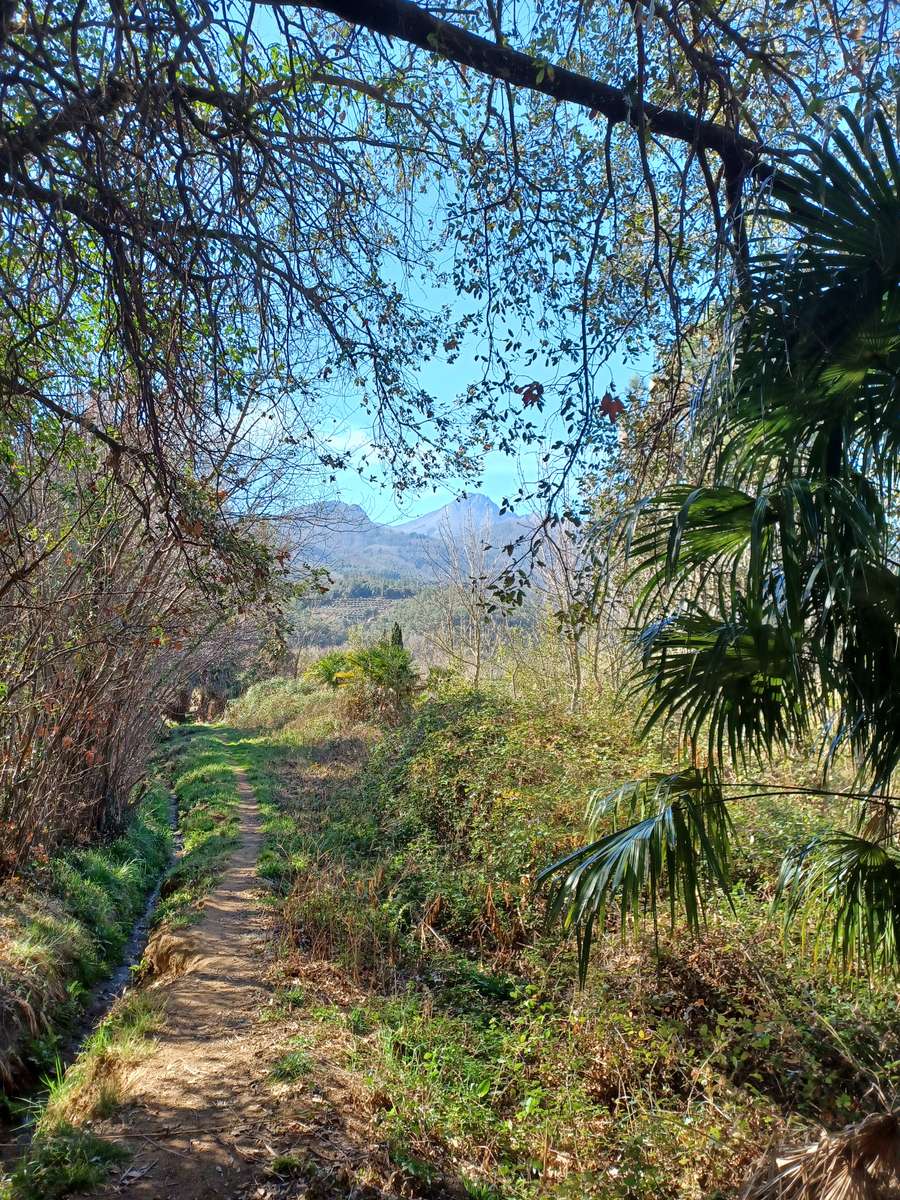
(543, 843)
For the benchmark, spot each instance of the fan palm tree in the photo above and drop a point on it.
(770, 601)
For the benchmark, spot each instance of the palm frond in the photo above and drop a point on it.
(825, 197)
(768, 602)
(737, 680)
(848, 888)
(813, 362)
(858, 645)
(684, 529)
(678, 844)
(861, 1162)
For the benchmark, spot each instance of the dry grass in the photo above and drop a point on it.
(170, 953)
(862, 1162)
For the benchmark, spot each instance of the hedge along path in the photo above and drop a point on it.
(197, 1108)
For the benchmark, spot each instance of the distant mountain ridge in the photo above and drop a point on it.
(344, 537)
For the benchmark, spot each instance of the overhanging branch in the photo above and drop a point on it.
(411, 23)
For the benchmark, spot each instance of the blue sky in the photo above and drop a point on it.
(348, 429)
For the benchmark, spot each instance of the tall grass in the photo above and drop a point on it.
(271, 704)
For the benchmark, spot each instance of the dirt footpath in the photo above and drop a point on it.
(204, 1119)
(198, 1106)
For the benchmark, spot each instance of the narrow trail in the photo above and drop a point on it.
(197, 1105)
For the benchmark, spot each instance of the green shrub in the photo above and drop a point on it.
(386, 674)
(378, 680)
(329, 669)
(385, 665)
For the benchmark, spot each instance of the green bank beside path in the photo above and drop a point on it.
(63, 927)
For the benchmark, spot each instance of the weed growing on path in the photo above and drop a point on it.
(295, 1064)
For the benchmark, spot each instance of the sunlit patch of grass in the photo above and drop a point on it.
(206, 790)
(286, 1164)
(284, 1003)
(62, 1162)
(329, 1016)
(94, 1086)
(293, 1065)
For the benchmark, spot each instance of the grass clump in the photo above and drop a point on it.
(287, 1164)
(67, 1160)
(93, 1087)
(284, 1003)
(293, 1065)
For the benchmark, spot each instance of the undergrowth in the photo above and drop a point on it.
(673, 1069)
(270, 704)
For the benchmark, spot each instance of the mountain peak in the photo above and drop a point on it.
(335, 514)
(475, 512)
(477, 502)
(344, 537)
